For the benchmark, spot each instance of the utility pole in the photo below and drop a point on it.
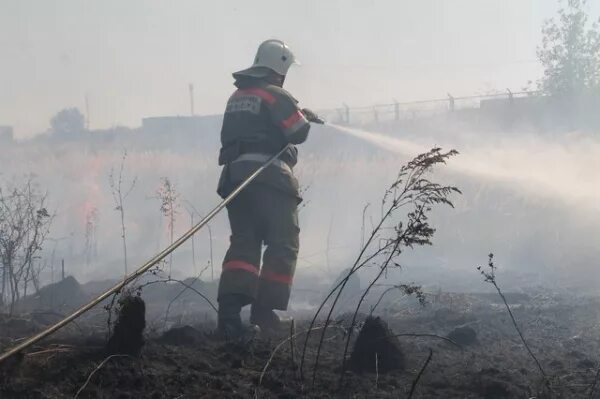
(450, 102)
(87, 112)
(193, 245)
(510, 96)
(347, 111)
(63, 269)
(191, 87)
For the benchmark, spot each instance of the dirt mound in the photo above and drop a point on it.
(464, 335)
(127, 337)
(64, 295)
(376, 348)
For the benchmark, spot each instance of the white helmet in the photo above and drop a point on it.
(272, 54)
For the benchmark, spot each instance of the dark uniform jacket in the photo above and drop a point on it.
(259, 121)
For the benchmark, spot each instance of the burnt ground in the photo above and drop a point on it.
(188, 362)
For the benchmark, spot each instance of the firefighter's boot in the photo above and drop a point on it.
(269, 322)
(229, 324)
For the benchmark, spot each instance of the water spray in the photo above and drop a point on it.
(521, 172)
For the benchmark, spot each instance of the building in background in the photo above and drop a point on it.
(6, 134)
(172, 125)
(183, 132)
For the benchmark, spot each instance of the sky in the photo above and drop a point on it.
(136, 58)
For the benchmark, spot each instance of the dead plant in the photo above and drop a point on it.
(418, 378)
(413, 189)
(169, 204)
(24, 227)
(120, 194)
(489, 276)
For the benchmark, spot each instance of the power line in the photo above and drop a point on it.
(420, 65)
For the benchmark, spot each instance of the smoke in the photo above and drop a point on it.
(531, 198)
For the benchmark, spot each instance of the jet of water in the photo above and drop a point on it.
(557, 168)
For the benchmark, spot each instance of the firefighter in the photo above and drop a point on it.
(260, 120)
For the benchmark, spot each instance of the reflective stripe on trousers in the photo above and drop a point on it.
(259, 216)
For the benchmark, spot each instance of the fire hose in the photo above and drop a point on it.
(145, 267)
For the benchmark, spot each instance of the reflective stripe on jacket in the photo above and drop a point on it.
(260, 120)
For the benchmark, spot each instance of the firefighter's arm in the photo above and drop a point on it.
(295, 128)
(290, 119)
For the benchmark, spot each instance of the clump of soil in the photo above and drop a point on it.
(127, 337)
(184, 335)
(464, 335)
(375, 337)
(17, 326)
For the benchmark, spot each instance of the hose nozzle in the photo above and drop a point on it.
(312, 117)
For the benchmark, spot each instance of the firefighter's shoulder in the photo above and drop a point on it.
(281, 94)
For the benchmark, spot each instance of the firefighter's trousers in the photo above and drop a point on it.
(261, 215)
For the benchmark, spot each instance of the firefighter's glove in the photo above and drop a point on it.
(312, 117)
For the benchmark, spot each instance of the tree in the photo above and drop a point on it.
(68, 122)
(24, 227)
(570, 52)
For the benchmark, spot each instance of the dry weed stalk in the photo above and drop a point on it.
(276, 349)
(293, 345)
(89, 378)
(425, 335)
(137, 289)
(191, 210)
(120, 194)
(169, 204)
(412, 189)
(416, 381)
(490, 277)
(186, 287)
(406, 289)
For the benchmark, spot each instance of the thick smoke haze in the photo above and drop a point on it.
(530, 191)
(531, 198)
(449, 226)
